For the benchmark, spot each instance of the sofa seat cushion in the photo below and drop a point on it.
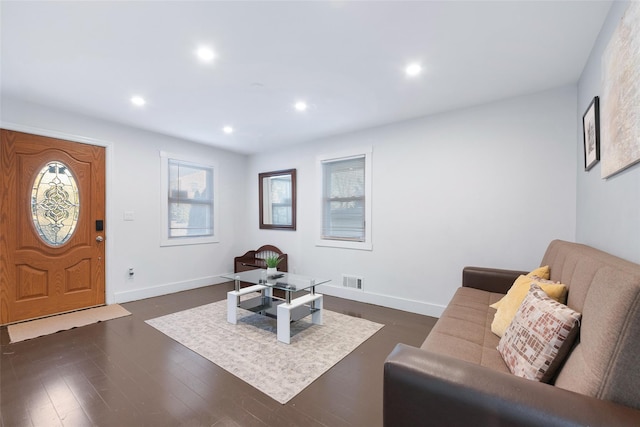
(464, 329)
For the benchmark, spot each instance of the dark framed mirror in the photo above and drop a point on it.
(277, 199)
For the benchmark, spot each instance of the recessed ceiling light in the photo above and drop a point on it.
(227, 129)
(413, 69)
(300, 106)
(138, 101)
(205, 54)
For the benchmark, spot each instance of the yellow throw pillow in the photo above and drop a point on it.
(540, 272)
(510, 303)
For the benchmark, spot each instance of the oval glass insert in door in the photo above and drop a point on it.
(55, 203)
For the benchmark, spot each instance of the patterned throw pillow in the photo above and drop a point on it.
(539, 337)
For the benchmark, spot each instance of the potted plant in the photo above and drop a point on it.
(272, 262)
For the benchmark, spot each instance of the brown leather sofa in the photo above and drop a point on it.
(458, 378)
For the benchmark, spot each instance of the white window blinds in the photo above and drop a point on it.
(190, 200)
(343, 206)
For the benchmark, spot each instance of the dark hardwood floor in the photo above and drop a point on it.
(125, 373)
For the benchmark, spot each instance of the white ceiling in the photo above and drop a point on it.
(345, 58)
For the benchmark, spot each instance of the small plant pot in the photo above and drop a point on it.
(271, 270)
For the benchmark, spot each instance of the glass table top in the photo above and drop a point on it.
(279, 280)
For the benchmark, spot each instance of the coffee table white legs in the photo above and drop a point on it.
(284, 314)
(233, 298)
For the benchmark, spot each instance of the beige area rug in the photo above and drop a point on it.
(62, 322)
(250, 351)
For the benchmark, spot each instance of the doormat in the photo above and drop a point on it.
(50, 325)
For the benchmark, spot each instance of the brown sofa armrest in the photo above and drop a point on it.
(425, 388)
(490, 279)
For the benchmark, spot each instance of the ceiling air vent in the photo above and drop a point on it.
(353, 282)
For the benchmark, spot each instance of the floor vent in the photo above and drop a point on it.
(353, 282)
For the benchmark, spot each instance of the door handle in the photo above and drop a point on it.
(99, 239)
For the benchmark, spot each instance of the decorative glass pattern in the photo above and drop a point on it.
(55, 203)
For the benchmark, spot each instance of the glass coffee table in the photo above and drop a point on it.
(290, 309)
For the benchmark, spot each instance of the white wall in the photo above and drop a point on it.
(489, 185)
(133, 184)
(608, 211)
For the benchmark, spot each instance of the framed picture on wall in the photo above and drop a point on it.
(620, 127)
(591, 132)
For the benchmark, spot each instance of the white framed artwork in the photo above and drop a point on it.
(620, 102)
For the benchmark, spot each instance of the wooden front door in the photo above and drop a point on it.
(52, 207)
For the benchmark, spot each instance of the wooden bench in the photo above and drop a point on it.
(255, 259)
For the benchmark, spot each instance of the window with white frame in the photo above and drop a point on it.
(189, 207)
(345, 218)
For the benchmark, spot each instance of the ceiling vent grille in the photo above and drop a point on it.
(353, 282)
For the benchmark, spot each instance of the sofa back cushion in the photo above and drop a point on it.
(606, 290)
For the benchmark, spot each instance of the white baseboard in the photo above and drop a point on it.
(411, 306)
(166, 288)
(418, 307)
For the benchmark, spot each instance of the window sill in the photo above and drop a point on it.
(185, 241)
(362, 246)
